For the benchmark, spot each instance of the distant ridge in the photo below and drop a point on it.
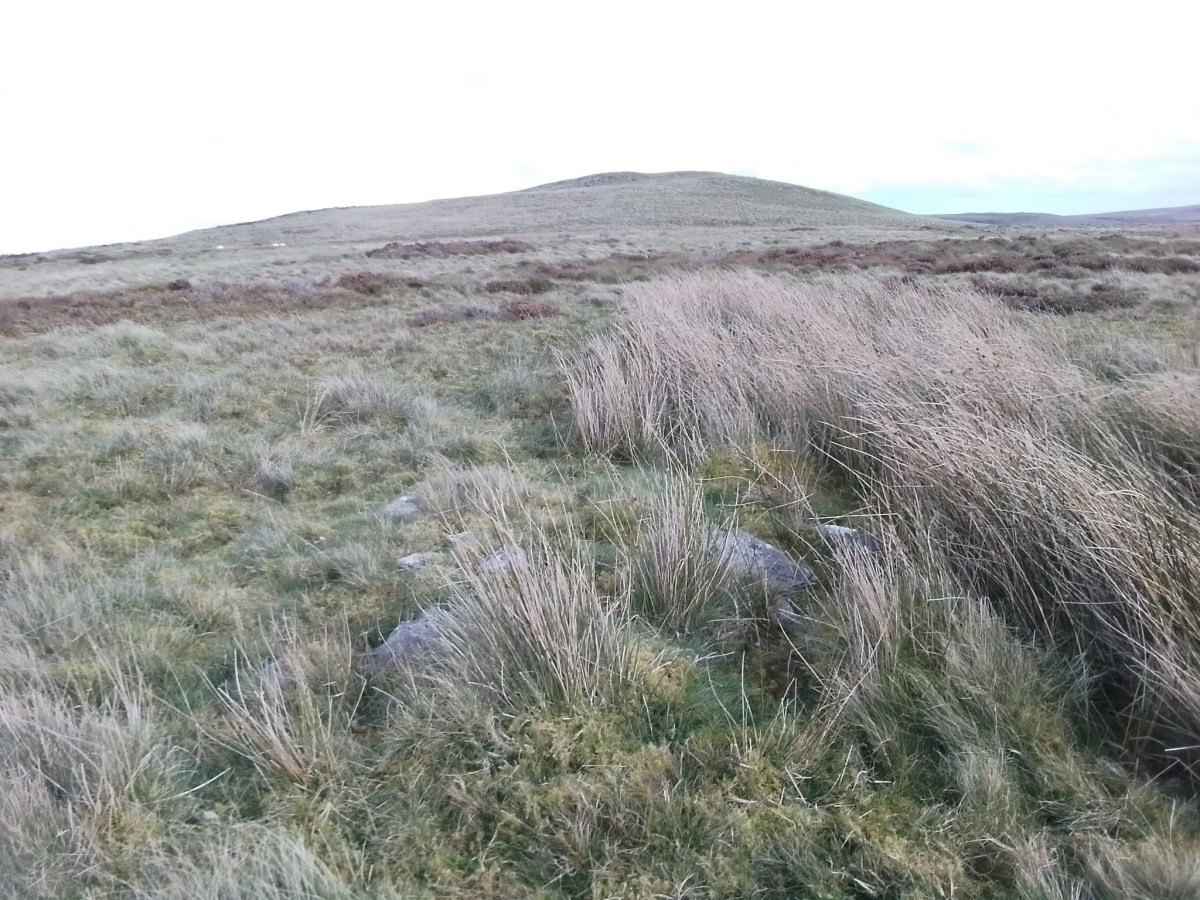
(1170, 215)
(600, 203)
(603, 179)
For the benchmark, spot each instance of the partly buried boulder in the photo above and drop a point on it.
(414, 637)
(415, 560)
(744, 552)
(510, 557)
(408, 640)
(507, 557)
(407, 507)
(850, 538)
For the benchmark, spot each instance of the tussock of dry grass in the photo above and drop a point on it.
(534, 632)
(674, 578)
(958, 425)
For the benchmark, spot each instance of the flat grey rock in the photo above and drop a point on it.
(407, 507)
(465, 540)
(746, 552)
(850, 537)
(414, 560)
(504, 558)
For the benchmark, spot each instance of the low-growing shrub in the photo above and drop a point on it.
(1004, 289)
(431, 315)
(441, 249)
(476, 310)
(529, 309)
(371, 283)
(1062, 303)
(443, 315)
(513, 286)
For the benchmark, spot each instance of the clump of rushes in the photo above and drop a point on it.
(531, 632)
(948, 416)
(675, 578)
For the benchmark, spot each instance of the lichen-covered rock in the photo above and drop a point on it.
(409, 639)
(852, 538)
(414, 560)
(744, 551)
(504, 558)
(465, 540)
(407, 507)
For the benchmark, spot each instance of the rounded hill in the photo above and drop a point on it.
(614, 201)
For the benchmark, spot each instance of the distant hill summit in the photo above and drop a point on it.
(604, 179)
(593, 204)
(1170, 215)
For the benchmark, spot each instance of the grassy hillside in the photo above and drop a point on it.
(611, 202)
(1167, 216)
(432, 573)
(697, 209)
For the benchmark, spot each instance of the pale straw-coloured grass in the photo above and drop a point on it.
(960, 425)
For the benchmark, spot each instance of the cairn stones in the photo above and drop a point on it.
(744, 551)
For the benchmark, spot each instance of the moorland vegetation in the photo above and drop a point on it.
(997, 695)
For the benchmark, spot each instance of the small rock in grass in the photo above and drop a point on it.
(746, 552)
(465, 540)
(414, 560)
(851, 537)
(783, 612)
(504, 558)
(273, 675)
(407, 640)
(406, 507)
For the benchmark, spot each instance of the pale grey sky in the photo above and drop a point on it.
(134, 119)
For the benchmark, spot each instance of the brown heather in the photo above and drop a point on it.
(441, 249)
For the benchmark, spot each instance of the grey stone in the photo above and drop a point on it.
(207, 817)
(504, 558)
(744, 551)
(408, 640)
(783, 612)
(407, 507)
(465, 540)
(414, 560)
(273, 675)
(853, 538)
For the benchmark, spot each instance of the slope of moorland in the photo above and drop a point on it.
(615, 201)
(1172, 215)
(690, 208)
(422, 567)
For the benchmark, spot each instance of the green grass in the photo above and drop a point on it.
(193, 571)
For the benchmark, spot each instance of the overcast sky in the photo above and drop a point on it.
(131, 120)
